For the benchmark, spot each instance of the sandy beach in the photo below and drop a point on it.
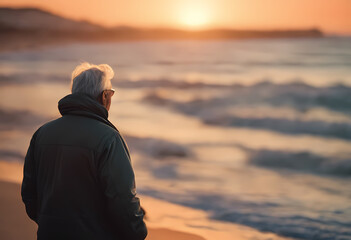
(164, 219)
(14, 223)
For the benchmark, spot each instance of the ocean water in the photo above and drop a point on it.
(255, 132)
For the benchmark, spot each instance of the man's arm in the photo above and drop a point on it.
(117, 179)
(29, 189)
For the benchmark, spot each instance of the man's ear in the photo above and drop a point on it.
(103, 98)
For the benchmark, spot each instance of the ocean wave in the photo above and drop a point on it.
(221, 109)
(11, 155)
(19, 119)
(300, 161)
(345, 62)
(319, 128)
(299, 64)
(30, 78)
(298, 95)
(297, 226)
(264, 216)
(158, 148)
(168, 83)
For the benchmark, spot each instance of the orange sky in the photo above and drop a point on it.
(332, 16)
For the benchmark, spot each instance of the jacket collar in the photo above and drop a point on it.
(83, 105)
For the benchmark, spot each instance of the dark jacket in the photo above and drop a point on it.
(78, 180)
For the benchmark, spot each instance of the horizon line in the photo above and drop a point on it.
(170, 27)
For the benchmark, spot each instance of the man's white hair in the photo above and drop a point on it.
(91, 79)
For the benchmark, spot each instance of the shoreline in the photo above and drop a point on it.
(164, 219)
(12, 42)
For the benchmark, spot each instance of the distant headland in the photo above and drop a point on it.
(30, 27)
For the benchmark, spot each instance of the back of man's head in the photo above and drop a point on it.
(91, 79)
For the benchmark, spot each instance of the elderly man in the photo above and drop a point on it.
(78, 180)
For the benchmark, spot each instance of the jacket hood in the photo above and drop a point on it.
(83, 105)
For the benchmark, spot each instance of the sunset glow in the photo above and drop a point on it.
(194, 16)
(329, 16)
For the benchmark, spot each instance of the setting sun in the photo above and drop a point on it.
(194, 19)
(194, 15)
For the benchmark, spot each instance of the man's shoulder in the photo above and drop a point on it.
(77, 122)
(77, 131)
